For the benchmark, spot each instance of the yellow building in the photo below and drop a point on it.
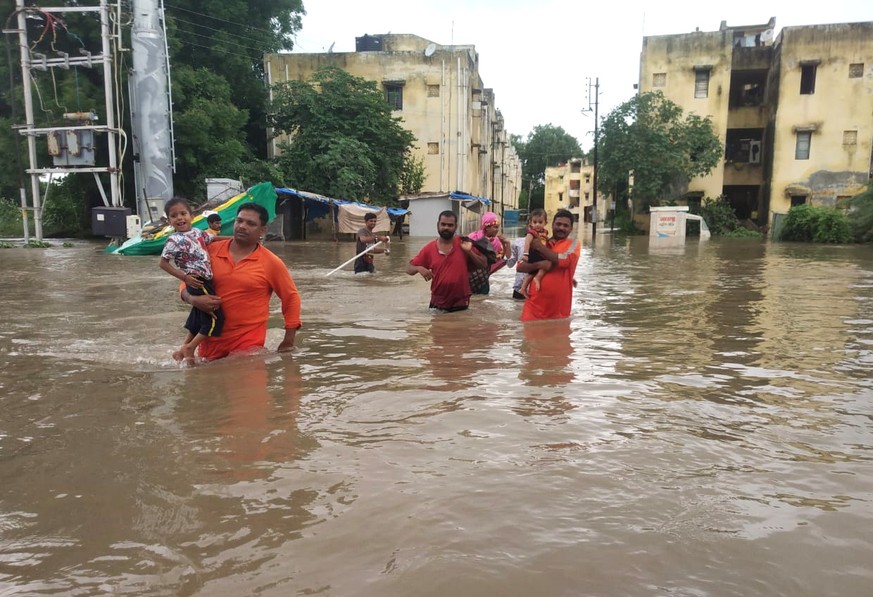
(571, 186)
(438, 92)
(795, 112)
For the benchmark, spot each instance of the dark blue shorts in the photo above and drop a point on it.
(200, 322)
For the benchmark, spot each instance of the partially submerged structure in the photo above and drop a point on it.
(794, 110)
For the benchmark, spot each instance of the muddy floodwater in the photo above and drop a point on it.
(701, 425)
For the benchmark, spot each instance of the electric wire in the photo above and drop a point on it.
(236, 24)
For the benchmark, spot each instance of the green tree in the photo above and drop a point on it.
(805, 223)
(861, 215)
(230, 38)
(546, 145)
(209, 130)
(226, 39)
(345, 141)
(650, 137)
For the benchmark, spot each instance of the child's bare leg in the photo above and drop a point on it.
(190, 348)
(538, 278)
(178, 354)
(525, 285)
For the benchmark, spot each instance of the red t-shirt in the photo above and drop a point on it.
(554, 299)
(450, 286)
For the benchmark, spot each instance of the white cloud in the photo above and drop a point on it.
(537, 56)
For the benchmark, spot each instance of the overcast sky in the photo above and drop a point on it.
(537, 56)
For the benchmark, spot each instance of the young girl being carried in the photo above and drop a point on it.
(186, 248)
(536, 229)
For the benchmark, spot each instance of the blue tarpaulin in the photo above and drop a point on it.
(459, 196)
(321, 204)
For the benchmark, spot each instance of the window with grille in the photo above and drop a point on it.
(394, 95)
(433, 148)
(801, 149)
(433, 91)
(856, 71)
(701, 83)
(659, 80)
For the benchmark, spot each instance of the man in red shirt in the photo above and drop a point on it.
(554, 299)
(246, 275)
(447, 262)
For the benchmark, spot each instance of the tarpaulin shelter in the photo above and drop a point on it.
(347, 217)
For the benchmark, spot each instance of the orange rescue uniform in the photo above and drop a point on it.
(554, 299)
(245, 288)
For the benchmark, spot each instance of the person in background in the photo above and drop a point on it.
(446, 263)
(186, 249)
(554, 297)
(490, 231)
(247, 274)
(365, 238)
(213, 223)
(515, 253)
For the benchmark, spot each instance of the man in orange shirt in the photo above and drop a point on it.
(554, 299)
(246, 275)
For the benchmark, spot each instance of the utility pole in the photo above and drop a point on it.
(72, 147)
(594, 104)
(151, 119)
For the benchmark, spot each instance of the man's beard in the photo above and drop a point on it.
(446, 234)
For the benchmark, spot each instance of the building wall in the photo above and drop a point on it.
(838, 114)
(674, 60)
(571, 186)
(459, 132)
(839, 110)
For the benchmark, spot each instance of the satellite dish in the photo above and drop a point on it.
(429, 50)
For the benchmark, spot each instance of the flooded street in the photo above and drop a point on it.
(702, 425)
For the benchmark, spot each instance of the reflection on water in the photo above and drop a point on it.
(701, 425)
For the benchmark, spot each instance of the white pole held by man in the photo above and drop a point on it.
(367, 250)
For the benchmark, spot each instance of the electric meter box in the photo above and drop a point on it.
(109, 221)
(134, 226)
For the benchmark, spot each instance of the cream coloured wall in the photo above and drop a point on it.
(559, 195)
(678, 56)
(839, 103)
(445, 106)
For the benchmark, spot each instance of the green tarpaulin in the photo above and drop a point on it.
(262, 194)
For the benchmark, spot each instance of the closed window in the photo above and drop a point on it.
(394, 95)
(856, 71)
(659, 80)
(433, 91)
(801, 149)
(850, 137)
(701, 83)
(433, 148)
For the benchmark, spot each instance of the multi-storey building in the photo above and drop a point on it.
(438, 92)
(795, 112)
(570, 186)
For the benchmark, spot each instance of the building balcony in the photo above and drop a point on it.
(752, 58)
